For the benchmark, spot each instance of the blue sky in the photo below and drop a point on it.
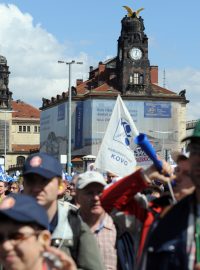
(34, 34)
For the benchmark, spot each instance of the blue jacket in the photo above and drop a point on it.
(165, 248)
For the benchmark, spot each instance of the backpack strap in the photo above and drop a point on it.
(75, 223)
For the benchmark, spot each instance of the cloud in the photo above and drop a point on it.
(32, 54)
(186, 78)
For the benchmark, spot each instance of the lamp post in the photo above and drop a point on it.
(5, 135)
(69, 113)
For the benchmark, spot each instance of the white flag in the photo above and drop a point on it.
(116, 152)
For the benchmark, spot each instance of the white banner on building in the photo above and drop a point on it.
(116, 153)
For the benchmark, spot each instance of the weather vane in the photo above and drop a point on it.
(131, 12)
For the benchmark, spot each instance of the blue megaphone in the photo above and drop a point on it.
(146, 146)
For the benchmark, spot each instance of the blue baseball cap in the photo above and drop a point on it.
(42, 164)
(23, 209)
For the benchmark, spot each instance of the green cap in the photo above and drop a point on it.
(196, 133)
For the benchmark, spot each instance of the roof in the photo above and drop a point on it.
(24, 110)
(160, 90)
(103, 82)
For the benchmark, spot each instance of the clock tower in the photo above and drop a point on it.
(133, 66)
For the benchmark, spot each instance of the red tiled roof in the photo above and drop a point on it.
(77, 159)
(82, 88)
(103, 82)
(160, 90)
(24, 110)
(103, 88)
(24, 147)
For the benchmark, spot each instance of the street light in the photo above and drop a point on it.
(69, 113)
(5, 134)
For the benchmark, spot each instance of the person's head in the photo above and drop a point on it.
(153, 192)
(43, 178)
(73, 185)
(194, 159)
(3, 187)
(184, 185)
(14, 187)
(24, 233)
(89, 188)
(111, 177)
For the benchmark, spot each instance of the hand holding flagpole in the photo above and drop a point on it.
(146, 146)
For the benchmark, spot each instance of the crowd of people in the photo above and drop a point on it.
(144, 221)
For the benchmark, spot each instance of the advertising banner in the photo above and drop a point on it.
(157, 110)
(79, 125)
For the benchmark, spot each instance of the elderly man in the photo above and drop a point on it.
(25, 239)
(43, 180)
(89, 188)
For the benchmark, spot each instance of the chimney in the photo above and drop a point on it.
(154, 74)
(101, 67)
(79, 81)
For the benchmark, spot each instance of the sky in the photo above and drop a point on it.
(35, 34)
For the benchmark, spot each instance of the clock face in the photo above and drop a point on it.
(135, 53)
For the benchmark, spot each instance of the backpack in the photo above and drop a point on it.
(125, 250)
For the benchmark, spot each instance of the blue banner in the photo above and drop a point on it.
(61, 112)
(79, 126)
(157, 110)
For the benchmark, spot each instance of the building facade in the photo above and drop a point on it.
(156, 111)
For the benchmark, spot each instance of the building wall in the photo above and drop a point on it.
(14, 137)
(23, 135)
(164, 122)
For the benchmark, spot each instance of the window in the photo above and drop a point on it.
(20, 160)
(36, 129)
(141, 79)
(136, 78)
(24, 129)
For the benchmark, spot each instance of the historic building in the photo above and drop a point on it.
(19, 125)
(156, 111)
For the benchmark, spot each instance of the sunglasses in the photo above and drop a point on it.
(16, 237)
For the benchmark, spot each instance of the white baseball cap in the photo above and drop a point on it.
(89, 177)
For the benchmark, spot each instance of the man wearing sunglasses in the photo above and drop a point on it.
(25, 239)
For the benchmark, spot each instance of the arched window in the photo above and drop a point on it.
(20, 160)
